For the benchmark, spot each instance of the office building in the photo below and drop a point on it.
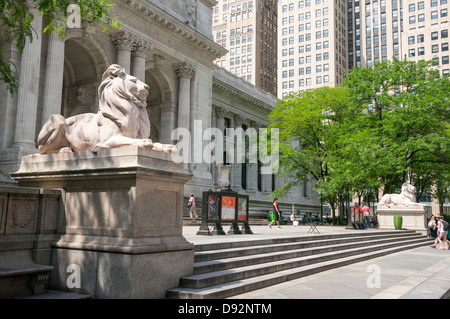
(321, 40)
(248, 30)
(312, 44)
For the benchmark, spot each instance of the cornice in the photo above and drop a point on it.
(165, 22)
(209, 3)
(235, 86)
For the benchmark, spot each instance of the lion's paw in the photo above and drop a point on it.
(65, 150)
(96, 148)
(147, 143)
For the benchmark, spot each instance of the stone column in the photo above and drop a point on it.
(53, 78)
(185, 72)
(139, 51)
(29, 89)
(252, 171)
(168, 116)
(123, 42)
(239, 147)
(266, 180)
(220, 120)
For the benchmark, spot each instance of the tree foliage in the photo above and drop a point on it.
(17, 17)
(386, 124)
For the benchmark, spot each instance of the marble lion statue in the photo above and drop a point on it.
(122, 120)
(406, 197)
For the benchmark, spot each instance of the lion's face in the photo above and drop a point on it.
(136, 87)
(408, 188)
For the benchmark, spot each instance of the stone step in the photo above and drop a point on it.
(228, 276)
(287, 251)
(257, 247)
(56, 294)
(233, 274)
(280, 240)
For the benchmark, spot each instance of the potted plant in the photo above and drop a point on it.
(398, 221)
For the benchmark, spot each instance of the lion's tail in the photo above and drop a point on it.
(52, 136)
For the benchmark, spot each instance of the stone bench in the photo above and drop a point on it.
(23, 279)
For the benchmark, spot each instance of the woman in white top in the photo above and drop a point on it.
(432, 227)
(442, 236)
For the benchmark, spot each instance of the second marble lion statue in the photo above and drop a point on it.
(122, 120)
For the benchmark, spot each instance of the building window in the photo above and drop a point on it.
(412, 52)
(445, 59)
(421, 51)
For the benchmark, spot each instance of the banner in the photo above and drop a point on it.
(228, 208)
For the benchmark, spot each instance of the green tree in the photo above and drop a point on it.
(309, 132)
(15, 15)
(385, 125)
(402, 120)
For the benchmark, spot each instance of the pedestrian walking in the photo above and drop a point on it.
(442, 231)
(192, 208)
(276, 212)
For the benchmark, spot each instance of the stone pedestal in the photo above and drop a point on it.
(414, 217)
(123, 209)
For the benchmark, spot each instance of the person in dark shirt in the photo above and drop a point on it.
(276, 212)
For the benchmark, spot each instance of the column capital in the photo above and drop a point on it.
(256, 124)
(221, 111)
(123, 40)
(184, 70)
(140, 47)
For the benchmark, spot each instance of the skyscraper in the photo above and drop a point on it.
(248, 30)
(425, 32)
(321, 40)
(312, 44)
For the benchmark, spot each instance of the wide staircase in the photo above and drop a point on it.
(223, 270)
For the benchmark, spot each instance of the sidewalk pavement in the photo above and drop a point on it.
(420, 273)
